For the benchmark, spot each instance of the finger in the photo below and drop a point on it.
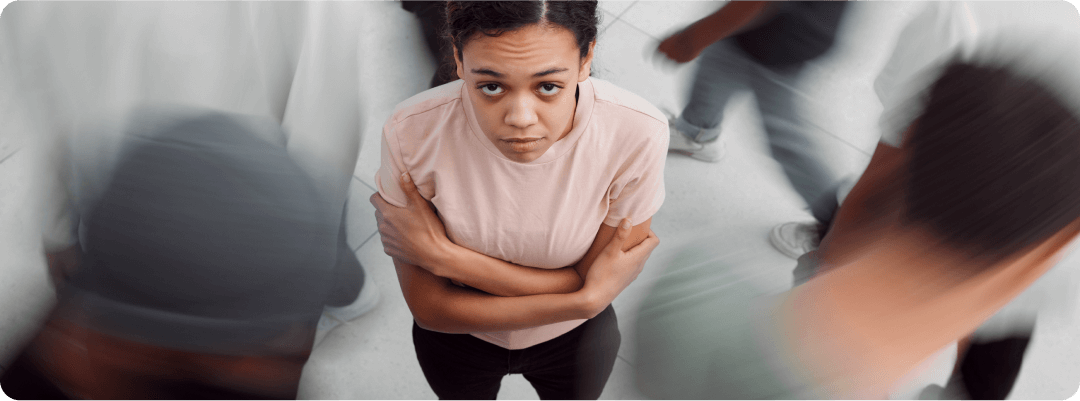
(647, 245)
(622, 232)
(377, 201)
(409, 187)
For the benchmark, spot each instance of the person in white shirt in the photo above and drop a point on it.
(942, 31)
(77, 70)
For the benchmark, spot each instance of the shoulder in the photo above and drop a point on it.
(410, 124)
(427, 104)
(635, 117)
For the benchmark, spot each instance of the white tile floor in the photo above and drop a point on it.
(735, 201)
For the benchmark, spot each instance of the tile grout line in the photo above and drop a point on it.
(617, 17)
(365, 184)
(365, 241)
(9, 155)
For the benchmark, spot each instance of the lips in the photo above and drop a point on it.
(523, 145)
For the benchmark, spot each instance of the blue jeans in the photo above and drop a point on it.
(724, 69)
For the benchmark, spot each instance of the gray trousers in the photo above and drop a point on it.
(723, 70)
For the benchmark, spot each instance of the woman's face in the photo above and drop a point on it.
(522, 84)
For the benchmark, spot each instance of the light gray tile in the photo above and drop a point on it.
(661, 18)
(515, 387)
(371, 357)
(625, 57)
(621, 385)
(606, 19)
(616, 7)
(359, 214)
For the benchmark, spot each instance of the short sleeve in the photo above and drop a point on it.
(935, 34)
(638, 192)
(387, 179)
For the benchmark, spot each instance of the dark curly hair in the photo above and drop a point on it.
(994, 164)
(493, 18)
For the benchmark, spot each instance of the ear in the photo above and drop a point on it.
(586, 63)
(457, 61)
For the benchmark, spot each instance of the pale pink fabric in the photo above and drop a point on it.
(542, 214)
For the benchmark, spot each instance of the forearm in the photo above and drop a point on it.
(498, 277)
(733, 18)
(438, 305)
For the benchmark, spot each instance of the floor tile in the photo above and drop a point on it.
(620, 385)
(616, 8)
(625, 57)
(606, 19)
(359, 215)
(658, 19)
(371, 357)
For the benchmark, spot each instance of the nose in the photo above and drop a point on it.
(522, 113)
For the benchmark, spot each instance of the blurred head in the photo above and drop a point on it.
(993, 162)
(207, 238)
(521, 62)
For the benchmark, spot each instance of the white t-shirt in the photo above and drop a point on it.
(541, 214)
(1037, 39)
(970, 31)
(79, 70)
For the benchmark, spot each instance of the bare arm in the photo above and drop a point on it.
(415, 235)
(734, 17)
(439, 305)
(874, 197)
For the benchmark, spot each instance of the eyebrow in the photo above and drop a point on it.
(485, 71)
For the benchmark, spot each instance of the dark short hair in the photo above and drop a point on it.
(994, 164)
(464, 19)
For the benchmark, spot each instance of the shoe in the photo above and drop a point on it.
(367, 300)
(796, 239)
(681, 143)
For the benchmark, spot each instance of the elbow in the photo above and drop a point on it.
(427, 323)
(429, 317)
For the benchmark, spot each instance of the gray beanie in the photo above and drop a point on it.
(206, 238)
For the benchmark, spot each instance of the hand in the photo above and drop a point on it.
(615, 269)
(413, 234)
(679, 47)
(63, 263)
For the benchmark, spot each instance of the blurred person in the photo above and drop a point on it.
(935, 238)
(516, 203)
(432, 15)
(764, 46)
(209, 257)
(937, 31)
(295, 63)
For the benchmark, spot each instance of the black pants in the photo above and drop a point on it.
(576, 365)
(989, 368)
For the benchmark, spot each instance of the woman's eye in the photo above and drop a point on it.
(491, 89)
(549, 89)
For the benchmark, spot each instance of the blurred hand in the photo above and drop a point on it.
(679, 47)
(615, 269)
(414, 233)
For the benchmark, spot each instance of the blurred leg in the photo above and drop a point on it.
(720, 72)
(794, 138)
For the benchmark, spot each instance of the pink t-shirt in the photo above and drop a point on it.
(544, 213)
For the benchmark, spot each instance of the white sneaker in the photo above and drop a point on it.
(681, 143)
(796, 239)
